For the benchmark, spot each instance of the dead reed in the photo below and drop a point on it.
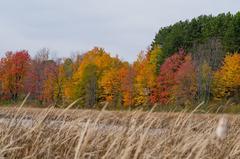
(54, 133)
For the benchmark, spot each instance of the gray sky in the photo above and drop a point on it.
(123, 27)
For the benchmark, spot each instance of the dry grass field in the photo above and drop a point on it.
(55, 133)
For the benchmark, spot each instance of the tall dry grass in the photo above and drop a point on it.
(54, 133)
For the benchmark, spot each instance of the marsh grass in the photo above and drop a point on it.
(56, 133)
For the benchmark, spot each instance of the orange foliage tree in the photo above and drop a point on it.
(126, 76)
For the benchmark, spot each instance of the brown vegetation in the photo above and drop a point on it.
(56, 133)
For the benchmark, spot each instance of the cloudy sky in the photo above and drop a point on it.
(123, 27)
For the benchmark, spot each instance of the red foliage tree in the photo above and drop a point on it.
(186, 84)
(13, 69)
(166, 79)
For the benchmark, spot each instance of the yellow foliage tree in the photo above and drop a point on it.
(77, 87)
(227, 78)
(145, 79)
(111, 84)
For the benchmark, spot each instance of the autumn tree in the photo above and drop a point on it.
(185, 90)
(144, 80)
(97, 60)
(155, 58)
(13, 68)
(88, 86)
(111, 86)
(56, 74)
(166, 80)
(117, 84)
(66, 71)
(126, 76)
(50, 73)
(204, 76)
(34, 82)
(45, 78)
(227, 78)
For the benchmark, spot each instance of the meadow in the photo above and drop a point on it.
(74, 133)
(142, 107)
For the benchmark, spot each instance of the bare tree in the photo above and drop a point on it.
(207, 58)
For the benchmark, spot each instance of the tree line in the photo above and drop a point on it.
(189, 34)
(183, 67)
(95, 77)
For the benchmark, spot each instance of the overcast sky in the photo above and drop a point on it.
(123, 27)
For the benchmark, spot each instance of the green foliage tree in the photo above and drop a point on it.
(231, 37)
(186, 34)
(88, 86)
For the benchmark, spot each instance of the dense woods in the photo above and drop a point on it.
(201, 30)
(188, 62)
